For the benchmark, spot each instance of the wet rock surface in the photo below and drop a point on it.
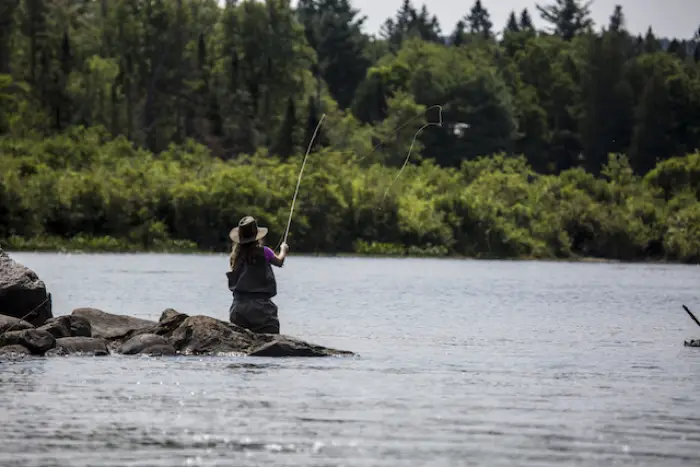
(79, 345)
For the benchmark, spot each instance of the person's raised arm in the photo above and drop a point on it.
(278, 260)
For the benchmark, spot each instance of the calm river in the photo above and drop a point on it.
(460, 363)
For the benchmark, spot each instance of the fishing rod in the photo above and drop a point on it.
(296, 191)
(691, 315)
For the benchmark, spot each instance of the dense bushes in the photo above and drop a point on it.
(84, 190)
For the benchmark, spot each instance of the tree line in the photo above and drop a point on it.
(146, 82)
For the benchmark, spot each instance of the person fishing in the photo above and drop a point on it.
(251, 278)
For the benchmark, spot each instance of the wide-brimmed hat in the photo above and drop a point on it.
(247, 231)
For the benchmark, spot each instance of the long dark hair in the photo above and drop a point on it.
(245, 253)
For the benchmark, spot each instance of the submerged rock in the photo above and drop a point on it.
(286, 347)
(14, 351)
(147, 344)
(80, 345)
(22, 294)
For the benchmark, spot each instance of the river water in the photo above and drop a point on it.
(460, 363)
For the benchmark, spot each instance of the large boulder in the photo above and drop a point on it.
(199, 335)
(22, 294)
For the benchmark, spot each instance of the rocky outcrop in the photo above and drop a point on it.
(173, 334)
(22, 294)
(27, 327)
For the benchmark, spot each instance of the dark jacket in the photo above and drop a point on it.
(252, 280)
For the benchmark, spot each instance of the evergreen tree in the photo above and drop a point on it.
(285, 144)
(526, 21)
(651, 44)
(479, 22)
(457, 37)
(653, 124)
(340, 46)
(617, 20)
(512, 25)
(567, 17)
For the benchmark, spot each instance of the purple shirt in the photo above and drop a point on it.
(269, 254)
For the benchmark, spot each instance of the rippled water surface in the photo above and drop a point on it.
(460, 363)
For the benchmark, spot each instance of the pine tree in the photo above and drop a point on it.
(568, 17)
(285, 144)
(651, 44)
(654, 121)
(457, 36)
(617, 20)
(526, 21)
(512, 25)
(479, 21)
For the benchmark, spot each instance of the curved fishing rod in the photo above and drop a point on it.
(296, 191)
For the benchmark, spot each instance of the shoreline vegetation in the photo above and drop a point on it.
(154, 126)
(109, 245)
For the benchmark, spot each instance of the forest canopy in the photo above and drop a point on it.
(153, 124)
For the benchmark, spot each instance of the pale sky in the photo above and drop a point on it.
(668, 18)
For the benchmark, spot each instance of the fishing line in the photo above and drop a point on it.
(410, 149)
(410, 120)
(396, 130)
(296, 191)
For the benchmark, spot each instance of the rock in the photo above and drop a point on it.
(286, 347)
(692, 343)
(148, 344)
(160, 351)
(110, 326)
(170, 320)
(14, 351)
(35, 340)
(80, 326)
(199, 335)
(9, 323)
(22, 294)
(58, 327)
(169, 314)
(80, 345)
